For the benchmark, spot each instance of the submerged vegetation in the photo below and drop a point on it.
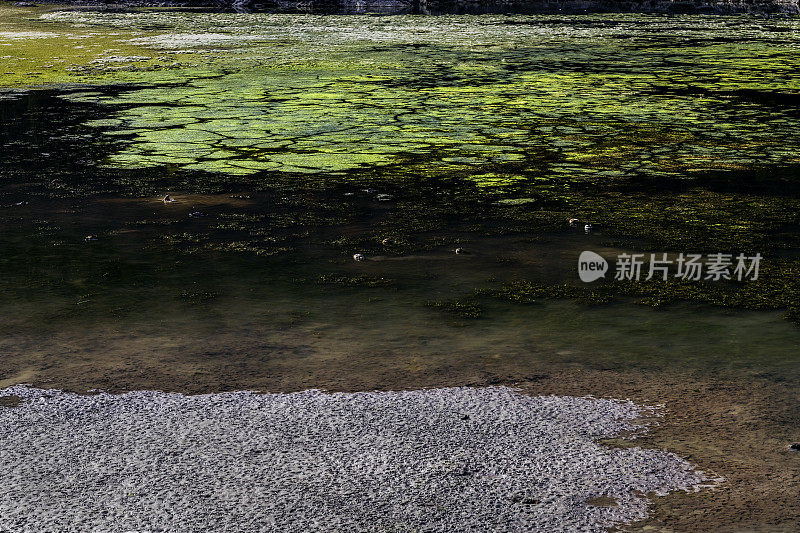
(775, 289)
(291, 143)
(460, 308)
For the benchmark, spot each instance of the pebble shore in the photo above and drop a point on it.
(454, 459)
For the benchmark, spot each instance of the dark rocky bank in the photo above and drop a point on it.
(434, 7)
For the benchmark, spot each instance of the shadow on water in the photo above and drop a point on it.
(259, 270)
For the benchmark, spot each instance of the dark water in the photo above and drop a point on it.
(403, 152)
(273, 252)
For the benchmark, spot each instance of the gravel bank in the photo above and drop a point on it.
(457, 459)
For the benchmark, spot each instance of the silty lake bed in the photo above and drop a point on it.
(291, 142)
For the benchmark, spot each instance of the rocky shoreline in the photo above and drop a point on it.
(437, 7)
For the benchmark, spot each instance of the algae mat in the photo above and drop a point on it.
(503, 99)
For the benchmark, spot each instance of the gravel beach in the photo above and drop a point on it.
(454, 459)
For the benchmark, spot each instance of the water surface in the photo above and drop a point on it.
(292, 142)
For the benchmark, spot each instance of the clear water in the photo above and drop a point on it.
(488, 133)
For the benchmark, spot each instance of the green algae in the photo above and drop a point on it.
(461, 308)
(608, 101)
(352, 281)
(777, 288)
(667, 133)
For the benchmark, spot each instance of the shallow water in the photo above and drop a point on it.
(487, 132)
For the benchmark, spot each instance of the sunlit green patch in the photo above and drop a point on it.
(348, 91)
